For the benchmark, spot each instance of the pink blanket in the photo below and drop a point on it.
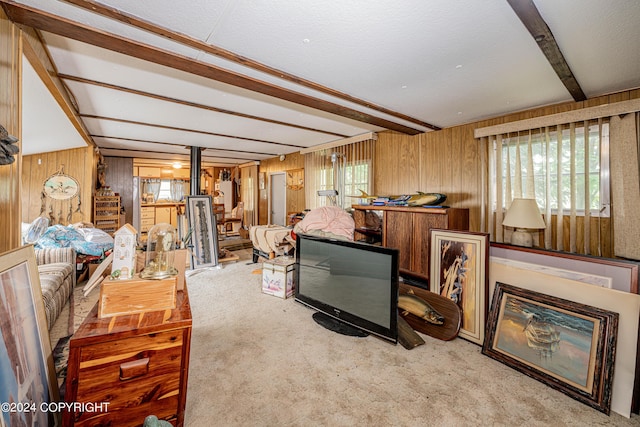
(328, 219)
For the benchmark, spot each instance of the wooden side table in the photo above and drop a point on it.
(124, 368)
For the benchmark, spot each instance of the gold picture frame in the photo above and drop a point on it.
(458, 271)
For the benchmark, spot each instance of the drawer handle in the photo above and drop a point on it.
(134, 369)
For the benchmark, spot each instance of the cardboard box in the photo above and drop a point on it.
(278, 276)
(119, 297)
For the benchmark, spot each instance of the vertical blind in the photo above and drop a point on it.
(565, 168)
(346, 169)
(249, 188)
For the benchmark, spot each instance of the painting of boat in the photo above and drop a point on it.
(542, 337)
(567, 345)
(556, 342)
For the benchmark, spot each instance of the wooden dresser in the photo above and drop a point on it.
(138, 363)
(407, 229)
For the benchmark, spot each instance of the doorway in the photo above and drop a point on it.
(278, 198)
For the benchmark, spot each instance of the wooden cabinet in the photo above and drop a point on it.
(149, 172)
(183, 173)
(106, 213)
(167, 214)
(147, 218)
(137, 364)
(407, 229)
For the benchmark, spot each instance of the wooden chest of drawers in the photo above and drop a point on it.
(147, 218)
(133, 365)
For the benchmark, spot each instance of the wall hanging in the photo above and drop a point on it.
(60, 198)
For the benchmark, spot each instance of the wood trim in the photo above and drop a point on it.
(107, 151)
(191, 104)
(340, 143)
(134, 21)
(590, 113)
(533, 21)
(58, 25)
(10, 118)
(173, 145)
(134, 122)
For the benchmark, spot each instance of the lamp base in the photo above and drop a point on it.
(522, 237)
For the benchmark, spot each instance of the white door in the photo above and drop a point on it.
(278, 199)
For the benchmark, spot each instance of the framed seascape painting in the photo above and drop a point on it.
(583, 288)
(458, 271)
(27, 381)
(204, 232)
(569, 346)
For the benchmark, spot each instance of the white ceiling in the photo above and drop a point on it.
(441, 62)
(43, 114)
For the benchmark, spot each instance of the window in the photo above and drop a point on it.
(347, 169)
(570, 172)
(565, 168)
(348, 179)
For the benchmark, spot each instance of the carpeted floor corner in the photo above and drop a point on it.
(260, 360)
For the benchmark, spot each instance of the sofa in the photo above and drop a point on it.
(56, 268)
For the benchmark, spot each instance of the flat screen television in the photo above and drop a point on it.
(352, 286)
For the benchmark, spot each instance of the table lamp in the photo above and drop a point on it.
(523, 215)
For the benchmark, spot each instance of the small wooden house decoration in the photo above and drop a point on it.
(124, 253)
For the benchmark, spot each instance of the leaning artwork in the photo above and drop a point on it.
(458, 266)
(566, 345)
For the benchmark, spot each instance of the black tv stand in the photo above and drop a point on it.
(338, 326)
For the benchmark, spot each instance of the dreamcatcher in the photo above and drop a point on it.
(60, 196)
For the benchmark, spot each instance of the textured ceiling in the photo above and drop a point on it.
(436, 62)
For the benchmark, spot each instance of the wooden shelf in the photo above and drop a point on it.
(106, 213)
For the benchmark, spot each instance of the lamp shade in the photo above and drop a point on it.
(523, 213)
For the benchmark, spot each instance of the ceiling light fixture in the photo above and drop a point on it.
(176, 165)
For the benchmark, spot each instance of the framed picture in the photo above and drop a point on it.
(28, 378)
(621, 274)
(458, 271)
(569, 346)
(541, 279)
(61, 187)
(204, 232)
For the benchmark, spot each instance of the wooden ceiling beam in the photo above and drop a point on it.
(204, 158)
(191, 104)
(531, 18)
(202, 132)
(173, 144)
(150, 27)
(58, 25)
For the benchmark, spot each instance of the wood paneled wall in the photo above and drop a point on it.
(79, 163)
(449, 161)
(119, 176)
(295, 198)
(10, 105)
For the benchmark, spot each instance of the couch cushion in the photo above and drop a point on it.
(58, 268)
(56, 282)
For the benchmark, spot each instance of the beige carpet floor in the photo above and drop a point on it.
(258, 360)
